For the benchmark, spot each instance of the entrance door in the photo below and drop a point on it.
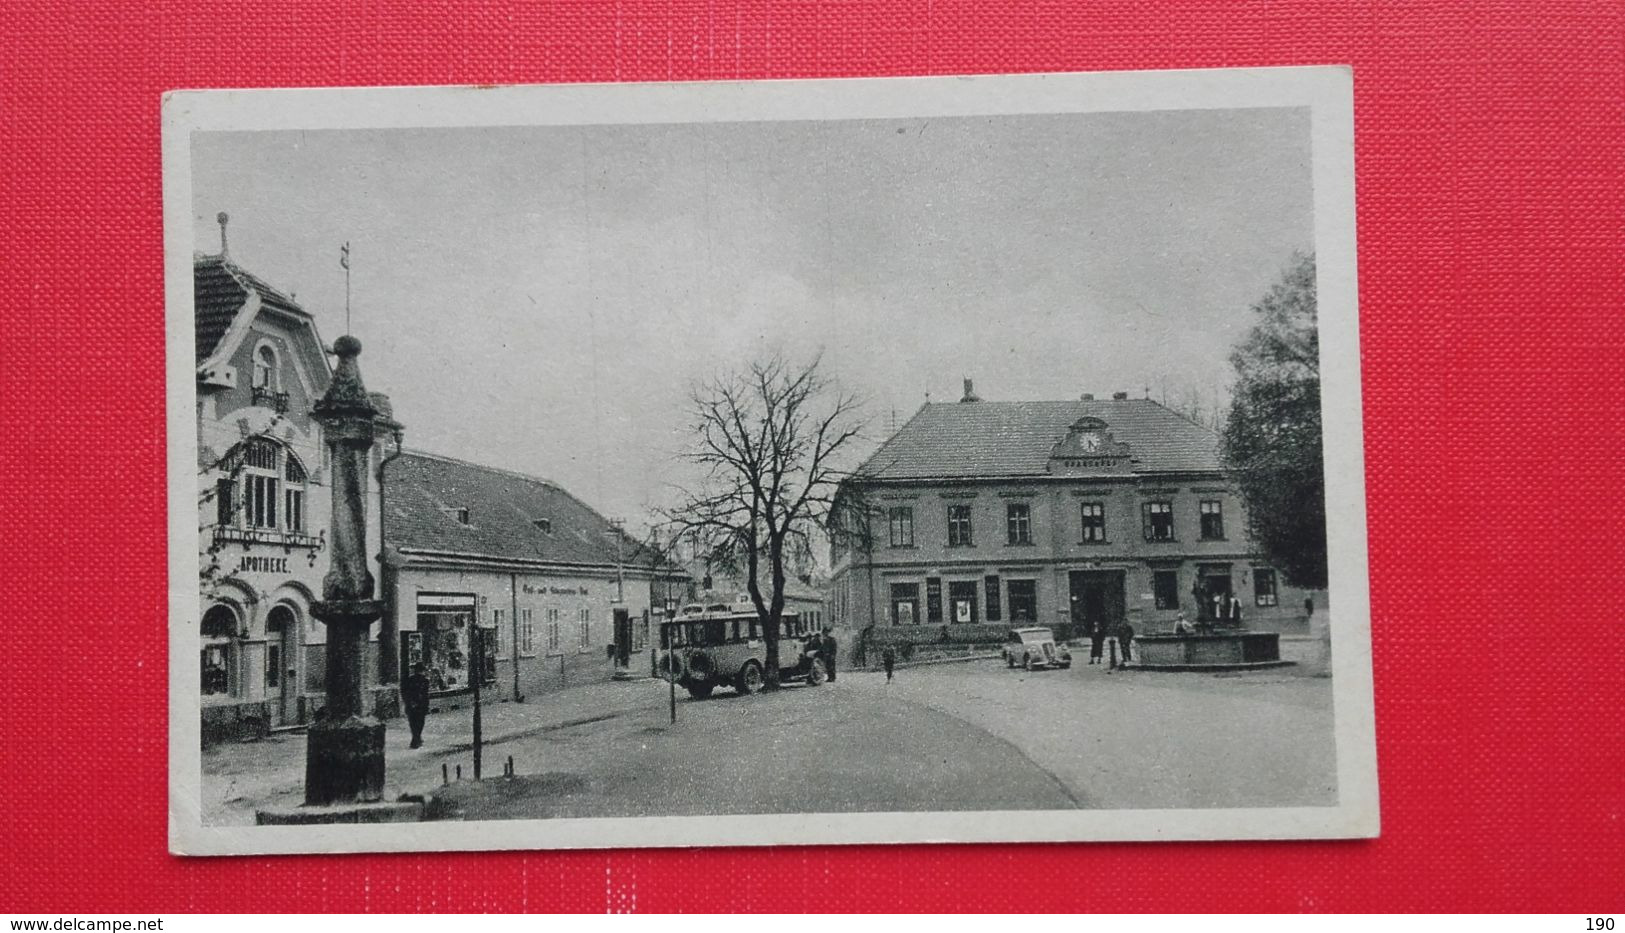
(1214, 583)
(281, 676)
(1097, 599)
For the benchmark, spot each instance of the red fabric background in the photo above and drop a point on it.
(1491, 151)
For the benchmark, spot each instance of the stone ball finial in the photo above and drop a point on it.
(347, 346)
(221, 217)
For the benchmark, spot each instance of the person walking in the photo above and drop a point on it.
(888, 659)
(1097, 640)
(1125, 639)
(415, 697)
(827, 648)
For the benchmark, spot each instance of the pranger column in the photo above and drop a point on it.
(344, 752)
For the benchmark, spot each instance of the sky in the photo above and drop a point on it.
(542, 299)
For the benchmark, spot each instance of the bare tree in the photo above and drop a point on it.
(770, 440)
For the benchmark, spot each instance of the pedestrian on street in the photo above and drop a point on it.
(1097, 640)
(415, 696)
(888, 659)
(1308, 606)
(1125, 639)
(827, 649)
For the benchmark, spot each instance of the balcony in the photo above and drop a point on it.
(276, 401)
(275, 537)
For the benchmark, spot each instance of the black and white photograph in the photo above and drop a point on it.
(804, 462)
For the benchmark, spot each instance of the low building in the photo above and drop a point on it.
(1066, 513)
(559, 594)
(264, 506)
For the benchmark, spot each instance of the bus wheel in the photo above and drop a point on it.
(750, 678)
(700, 689)
(815, 672)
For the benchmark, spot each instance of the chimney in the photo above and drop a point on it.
(222, 219)
(1119, 396)
(970, 393)
(1088, 396)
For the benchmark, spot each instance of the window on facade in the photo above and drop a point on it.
(962, 602)
(1094, 521)
(905, 603)
(583, 618)
(553, 631)
(1264, 593)
(1159, 521)
(1023, 600)
(527, 632)
(901, 519)
(224, 502)
(499, 634)
(462, 516)
(991, 598)
(959, 526)
(219, 626)
(1212, 518)
(273, 493)
(1165, 587)
(264, 369)
(294, 510)
(1019, 523)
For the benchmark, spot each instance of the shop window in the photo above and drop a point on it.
(991, 596)
(1019, 523)
(1159, 520)
(218, 628)
(1165, 587)
(1023, 600)
(445, 624)
(901, 520)
(905, 603)
(959, 526)
(1212, 519)
(1264, 593)
(1094, 522)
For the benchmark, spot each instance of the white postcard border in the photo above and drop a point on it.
(1327, 91)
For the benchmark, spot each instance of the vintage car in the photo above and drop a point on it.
(722, 646)
(1035, 647)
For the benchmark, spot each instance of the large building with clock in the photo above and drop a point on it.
(263, 505)
(1058, 513)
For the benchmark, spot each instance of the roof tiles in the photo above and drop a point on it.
(966, 440)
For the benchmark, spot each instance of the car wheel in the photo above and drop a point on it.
(750, 679)
(1027, 663)
(1009, 660)
(816, 673)
(700, 691)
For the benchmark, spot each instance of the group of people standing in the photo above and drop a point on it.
(1100, 630)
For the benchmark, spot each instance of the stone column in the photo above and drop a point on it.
(344, 751)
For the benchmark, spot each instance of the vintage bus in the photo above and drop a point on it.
(705, 647)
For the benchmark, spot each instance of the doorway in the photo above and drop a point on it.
(623, 638)
(1097, 599)
(1213, 585)
(281, 674)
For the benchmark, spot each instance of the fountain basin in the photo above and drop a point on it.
(1209, 651)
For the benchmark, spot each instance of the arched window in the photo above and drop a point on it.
(272, 481)
(265, 369)
(219, 629)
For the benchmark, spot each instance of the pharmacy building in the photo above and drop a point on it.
(264, 507)
(1067, 514)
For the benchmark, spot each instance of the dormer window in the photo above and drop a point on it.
(544, 525)
(462, 516)
(265, 369)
